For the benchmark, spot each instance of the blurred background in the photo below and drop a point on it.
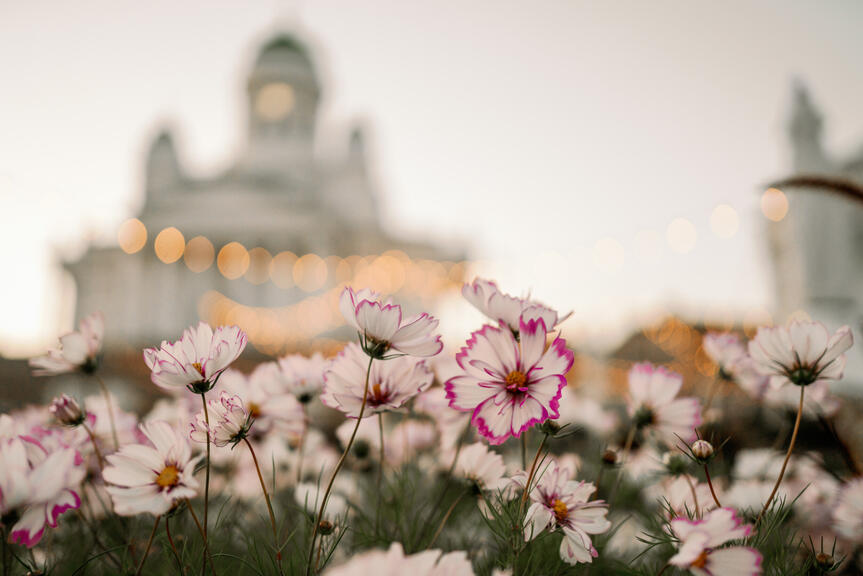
(658, 168)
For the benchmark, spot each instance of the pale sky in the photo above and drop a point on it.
(557, 140)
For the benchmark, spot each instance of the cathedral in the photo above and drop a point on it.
(268, 243)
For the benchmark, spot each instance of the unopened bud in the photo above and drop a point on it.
(702, 450)
(326, 527)
(824, 561)
(550, 427)
(67, 411)
(609, 457)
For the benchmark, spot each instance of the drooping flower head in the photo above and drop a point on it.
(486, 297)
(700, 540)
(152, 479)
(510, 384)
(393, 562)
(78, 350)
(391, 383)
(37, 486)
(654, 406)
(267, 401)
(229, 421)
(303, 376)
(726, 350)
(802, 353)
(557, 502)
(196, 360)
(382, 329)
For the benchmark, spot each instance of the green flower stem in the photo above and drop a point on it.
(149, 544)
(269, 505)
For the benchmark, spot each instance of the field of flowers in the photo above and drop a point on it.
(488, 464)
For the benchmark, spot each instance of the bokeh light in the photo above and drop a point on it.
(681, 235)
(199, 254)
(233, 260)
(608, 255)
(274, 101)
(259, 265)
(282, 269)
(132, 235)
(774, 204)
(724, 221)
(169, 245)
(310, 272)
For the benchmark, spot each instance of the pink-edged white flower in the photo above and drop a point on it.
(510, 384)
(700, 540)
(481, 467)
(268, 403)
(486, 297)
(654, 406)
(196, 360)
(560, 503)
(382, 329)
(391, 383)
(726, 350)
(152, 479)
(303, 376)
(848, 514)
(801, 353)
(78, 350)
(38, 485)
(393, 562)
(229, 421)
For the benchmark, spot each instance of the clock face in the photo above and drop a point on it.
(274, 102)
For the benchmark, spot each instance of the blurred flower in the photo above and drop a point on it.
(484, 468)
(802, 353)
(303, 376)
(684, 494)
(67, 411)
(698, 549)
(486, 297)
(382, 329)
(848, 514)
(726, 350)
(558, 502)
(78, 350)
(196, 360)
(582, 411)
(393, 562)
(410, 438)
(510, 384)
(268, 403)
(654, 406)
(37, 485)
(229, 421)
(367, 443)
(309, 496)
(152, 479)
(450, 423)
(391, 383)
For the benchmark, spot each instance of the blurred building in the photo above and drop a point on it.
(817, 248)
(266, 244)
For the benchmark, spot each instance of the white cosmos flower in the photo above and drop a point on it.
(78, 350)
(486, 297)
(654, 405)
(229, 421)
(152, 479)
(393, 562)
(700, 540)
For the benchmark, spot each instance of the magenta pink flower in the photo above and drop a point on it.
(382, 329)
(700, 540)
(486, 297)
(196, 360)
(654, 406)
(510, 384)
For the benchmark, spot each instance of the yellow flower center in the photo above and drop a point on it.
(515, 380)
(560, 510)
(701, 561)
(254, 410)
(197, 366)
(168, 477)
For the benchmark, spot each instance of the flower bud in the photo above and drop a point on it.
(702, 450)
(824, 561)
(609, 457)
(67, 411)
(326, 527)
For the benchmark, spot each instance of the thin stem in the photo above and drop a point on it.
(201, 530)
(664, 568)
(207, 477)
(149, 544)
(694, 495)
(110, 405)
(338, 467)
(95, 445)
(269, 505)
(96, 538)
(445, 518)
(787, 457)
(624, 458)
(710, 484)
(380, 470)
(524, 496)
(173, 546)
